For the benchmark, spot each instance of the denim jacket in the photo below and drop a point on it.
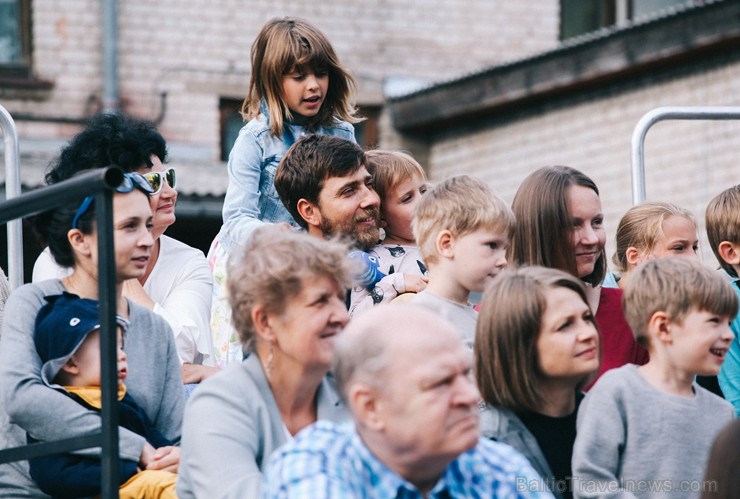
(251, 198)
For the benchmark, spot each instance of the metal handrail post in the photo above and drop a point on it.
(98, 182)
(108, 343)
(12, 190)
(662, 114)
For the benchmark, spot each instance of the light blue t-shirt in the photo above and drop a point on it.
(729, 376)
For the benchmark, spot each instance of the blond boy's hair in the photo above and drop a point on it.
(676, 286)
(390, 168)
(723, 223)
(461, 205)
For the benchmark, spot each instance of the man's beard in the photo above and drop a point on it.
(366, 238)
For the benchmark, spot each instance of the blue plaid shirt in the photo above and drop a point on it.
(330, 461)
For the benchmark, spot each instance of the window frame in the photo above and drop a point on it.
(614, 13)
(21, 70)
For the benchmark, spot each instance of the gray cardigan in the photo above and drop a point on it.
(502, 425)
(232, 425)
(154, 381)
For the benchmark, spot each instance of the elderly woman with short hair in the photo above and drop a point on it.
(287, 299)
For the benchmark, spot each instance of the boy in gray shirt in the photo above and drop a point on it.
(462, 230)
(646, 431)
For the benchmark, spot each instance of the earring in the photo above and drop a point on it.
(268, 365)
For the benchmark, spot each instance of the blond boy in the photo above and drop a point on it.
(646, 431)
(723, 231)
(462, 230)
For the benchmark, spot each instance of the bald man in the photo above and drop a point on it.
(406, 378)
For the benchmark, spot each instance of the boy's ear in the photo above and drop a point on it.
(659, 327)
(729, 252)
(445, 243)
(70, 367)
(309, 212)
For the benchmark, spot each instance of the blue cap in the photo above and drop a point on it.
(62, 325)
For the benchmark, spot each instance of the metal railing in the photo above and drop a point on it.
(662, 114)
(12, 190)
(100, 183)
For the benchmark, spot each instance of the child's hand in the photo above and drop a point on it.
(415, 283)
(165, 459)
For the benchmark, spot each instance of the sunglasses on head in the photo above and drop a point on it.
(130, 182)
(156, 179)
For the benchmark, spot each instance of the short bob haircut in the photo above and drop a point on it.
(390, 168)
(308, 163)
(460, 204)
(641, 227)
(676, 286)
(723, 223)
(274, 266)
(290, 44)
(543, 230)
(506, 360)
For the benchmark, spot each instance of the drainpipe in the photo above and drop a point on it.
(110, 57)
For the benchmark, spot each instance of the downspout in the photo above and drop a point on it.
(111, 99)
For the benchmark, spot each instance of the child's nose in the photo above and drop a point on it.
(311, 81)
(727, 334)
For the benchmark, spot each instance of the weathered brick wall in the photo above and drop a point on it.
(198, 51)
(687, 162)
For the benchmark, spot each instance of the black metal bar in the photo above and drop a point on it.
(108, 347)
(101, 183)
(46, 448)
(78, 187)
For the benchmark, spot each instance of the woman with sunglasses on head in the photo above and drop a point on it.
(154, 381)
(177, 283)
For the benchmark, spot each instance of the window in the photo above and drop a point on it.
(15, 38)
(366, 132)
(231, 123)
(583, 16)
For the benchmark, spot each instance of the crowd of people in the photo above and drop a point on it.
(327, 345)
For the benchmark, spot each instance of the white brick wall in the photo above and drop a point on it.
(198, 50)
(686, 162)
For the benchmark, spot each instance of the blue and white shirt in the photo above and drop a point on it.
(330, 461)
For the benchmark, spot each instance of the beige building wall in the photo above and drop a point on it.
(198, 51)
(686, 162)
